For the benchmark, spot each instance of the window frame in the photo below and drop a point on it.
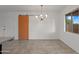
(75, 12)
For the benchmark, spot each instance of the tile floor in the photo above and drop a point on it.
(36, 47)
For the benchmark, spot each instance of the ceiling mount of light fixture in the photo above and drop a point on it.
(43, 15)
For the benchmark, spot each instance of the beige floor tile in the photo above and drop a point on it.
(36, 47)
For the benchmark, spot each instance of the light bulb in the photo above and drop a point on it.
(36, 16)
(46, 15)
(41, 15)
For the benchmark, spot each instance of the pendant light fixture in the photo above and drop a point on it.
(43, 15)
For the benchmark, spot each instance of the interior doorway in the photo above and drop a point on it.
(23, 27)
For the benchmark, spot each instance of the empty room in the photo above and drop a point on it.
(39, 29)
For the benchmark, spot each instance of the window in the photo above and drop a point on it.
(68, 23)
(72, 22)
(75, 19)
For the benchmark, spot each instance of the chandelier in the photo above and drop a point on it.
(42, 16)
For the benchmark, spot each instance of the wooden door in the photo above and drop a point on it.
(23, 27)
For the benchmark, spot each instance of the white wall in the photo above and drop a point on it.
(10, 20)
(1, 24)
(37, 29)
(71, 39)
(43, 29)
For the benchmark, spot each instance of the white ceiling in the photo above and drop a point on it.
(30, 7)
